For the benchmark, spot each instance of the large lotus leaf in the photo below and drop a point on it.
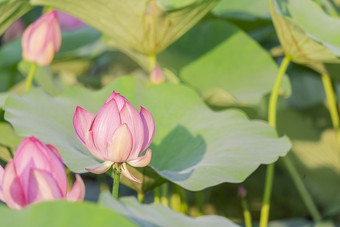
(315, 152)
(297, 43)
(137, 24)
(307, 88)
(43, 77)
(242, 9)
(62, 213)
(10, 11)
(9, 141)
(194, 146)
(314, 21)
(157, 214)
(173, 4)
(223, 63)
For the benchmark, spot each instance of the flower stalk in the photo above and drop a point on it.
(332, 106)
(30, 77)
(272, 121)
(116, 178)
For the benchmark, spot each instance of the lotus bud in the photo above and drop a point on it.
(157, 76)
(42, 39)
(36, 174)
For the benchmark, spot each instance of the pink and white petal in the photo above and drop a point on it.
(130, 116)
(149, 127)
(120, 147)
(91, 146)
(30, 154)
(77, 192)
(42, 187)
(55, 151)
(81, 122)
(127, 174)
(1, 176)
(57, 169)
(120, 100)
(142, 161)
(102, 168)
(104, 124)
(13, 192)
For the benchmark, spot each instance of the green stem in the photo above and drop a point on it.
(302, 190)
(141, 197)
(199, 201)
(272, 121)
(152, 61)
(175, 201)
(30, 76)
(184, 204)
(164, 197)
(157, 198)
(115, 186)
(246, 213)
(331, 99)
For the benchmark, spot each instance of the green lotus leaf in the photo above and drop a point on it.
(137, 24)
(193, 147)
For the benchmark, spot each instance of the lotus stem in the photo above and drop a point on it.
(272, 121)
(30, 76)
(332, 105)
(115, 186)
(316, 216)
(157, 198)
(152, 61)
(246, 213)
(164, 196)
(175, 201)
(141, 197)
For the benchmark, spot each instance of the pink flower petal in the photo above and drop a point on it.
(102, 168)
(120, 100)
(1, 176)
(131, 117)
(104, 124)
(42, 39)
(157, 76)
(91, 146)
(77, 192)
(32, 153)
(128, 175)
(142, 161)
(81, 123)
(42, 187)
(55, 151)
(120, 147)
(13, 191)
(149, 127)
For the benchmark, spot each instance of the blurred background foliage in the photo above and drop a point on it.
(229, 54)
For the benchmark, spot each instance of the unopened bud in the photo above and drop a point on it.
(157, 76)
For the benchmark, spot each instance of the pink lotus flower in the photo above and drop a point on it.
(42, 39)
(36, 174)
(118, 134)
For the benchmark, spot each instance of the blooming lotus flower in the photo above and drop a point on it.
(42, 39)
(118, 134)
(157, 76)
(36, 174)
